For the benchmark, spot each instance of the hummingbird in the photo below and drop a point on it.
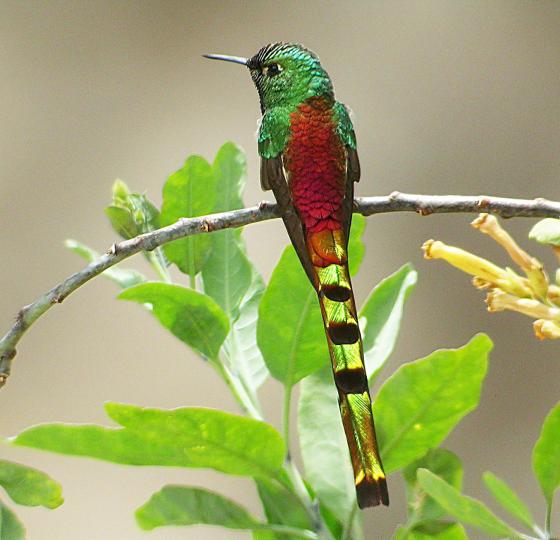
(307, 146)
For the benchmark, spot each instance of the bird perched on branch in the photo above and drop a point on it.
(309, 160)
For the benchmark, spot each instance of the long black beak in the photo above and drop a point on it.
(226, 58)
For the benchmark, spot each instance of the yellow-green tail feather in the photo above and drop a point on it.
(340, 317)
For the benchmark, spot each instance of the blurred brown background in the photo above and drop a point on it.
(450, 97)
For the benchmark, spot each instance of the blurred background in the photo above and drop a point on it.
(449, 97)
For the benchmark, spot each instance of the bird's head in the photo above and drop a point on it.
(285, 74)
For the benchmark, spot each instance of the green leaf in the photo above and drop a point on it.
(227, 273)
(29, 486)
(145, 214)
(10, 526)
(123, 277)
(120, 192)
(323, 444)
(438, 530)
(356, 248)
(264, 535)
(183, 437)
(191, 316)
(380, 317)
(444, 464)
(231, 279)
(282, 506)
(337, 529)
(509, 500)
(546, 231)
(230, 170)
(122, 221)
(290, 329)
(181, 505)
(546, 455)
(463, 508)
(131, 214)
(189, 192)
(240, 346)
(423, 401)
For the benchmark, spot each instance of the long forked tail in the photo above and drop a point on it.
(327, 250)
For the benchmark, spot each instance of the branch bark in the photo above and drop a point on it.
(396, 202)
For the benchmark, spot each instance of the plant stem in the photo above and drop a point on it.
(192, 281)
(286, 417)
(158, 264)
(299, 489)
(539, 532)
(548, 520)
(237, 390)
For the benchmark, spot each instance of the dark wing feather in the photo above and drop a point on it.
(352, 164)
(352, 175)
(265, 182)
(272, 177)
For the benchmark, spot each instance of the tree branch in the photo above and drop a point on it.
(396, 202)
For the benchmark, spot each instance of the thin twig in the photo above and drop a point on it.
(396, 202)
(445, 204)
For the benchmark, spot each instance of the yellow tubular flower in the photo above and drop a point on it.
(546, 329)
(480, 284)
(498, 301)
(553, 294)
(465, 261)
(533, 268)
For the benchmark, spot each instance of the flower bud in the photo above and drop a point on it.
(120, 193)
(546, 329)
(498, 300)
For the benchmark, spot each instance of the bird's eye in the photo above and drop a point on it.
(271, 70)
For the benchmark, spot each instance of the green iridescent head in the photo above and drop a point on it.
(285, 74)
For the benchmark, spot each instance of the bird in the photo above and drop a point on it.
(307, 146)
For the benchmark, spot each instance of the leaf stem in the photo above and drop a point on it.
(233, 352)
(298, 487)
(539, 532)
(237, 389)
(548, 520)
(286, 417)
(523, 537)
(158, 263)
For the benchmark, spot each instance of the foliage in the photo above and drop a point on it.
(28, 487)
(246, 330)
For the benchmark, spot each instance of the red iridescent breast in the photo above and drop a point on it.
(315, 160)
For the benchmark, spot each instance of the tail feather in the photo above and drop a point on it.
(332, 281)
(371, 485)
(341, 323)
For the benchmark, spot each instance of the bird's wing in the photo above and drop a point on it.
(272, 177)
(352, 175)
